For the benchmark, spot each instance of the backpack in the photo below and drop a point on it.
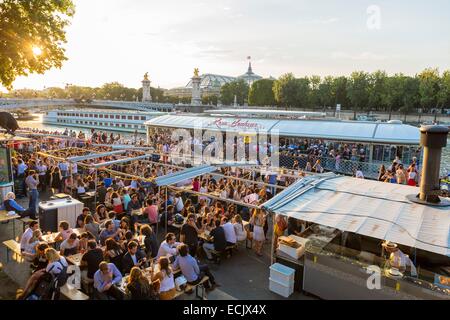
(44, 288)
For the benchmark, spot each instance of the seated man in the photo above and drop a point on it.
(168, 247)
(133, 258)
(70, 246)
(230, 233)
(92, 259)
(220, 242)
(190, 268)
(10, 204)
(104, 282)
(109, 232)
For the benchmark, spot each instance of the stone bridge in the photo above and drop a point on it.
(10, 104)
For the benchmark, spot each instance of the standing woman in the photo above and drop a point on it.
(167, 289)
(258, 221)
(56, 180)
(381, 173)
(412, 175)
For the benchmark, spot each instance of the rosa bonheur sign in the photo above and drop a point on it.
(221, 123)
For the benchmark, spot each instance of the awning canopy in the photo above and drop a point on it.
(370, 208)
(124, 160)
(95, 156)
(180, 176)
(357, 131)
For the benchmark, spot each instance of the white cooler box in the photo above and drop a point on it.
(295, 253)
(279, 288)
(281, 279)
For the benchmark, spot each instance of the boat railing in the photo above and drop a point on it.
(342, 166)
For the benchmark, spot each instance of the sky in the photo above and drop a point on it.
(120, 40)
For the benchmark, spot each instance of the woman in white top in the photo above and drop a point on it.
(178, 203)
(167, 289)
(241, 233)
(30, 247)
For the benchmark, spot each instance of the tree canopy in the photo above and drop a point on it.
(32, 34)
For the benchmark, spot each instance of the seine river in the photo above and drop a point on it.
(37, 123)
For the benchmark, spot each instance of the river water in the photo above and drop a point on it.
(37, 123)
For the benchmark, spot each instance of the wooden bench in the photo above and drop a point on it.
(218, 254)
(14, 246)
(190, 288)
(72, 293)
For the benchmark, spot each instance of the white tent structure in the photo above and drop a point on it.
(362, 131)
(370, 208)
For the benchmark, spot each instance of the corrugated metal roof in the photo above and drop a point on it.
(371, 208)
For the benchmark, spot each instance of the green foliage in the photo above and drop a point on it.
(444, 92)
(358, 90)
(261, 93)
(429, 88)
(285, 90)
(28, 24)
(238, 88)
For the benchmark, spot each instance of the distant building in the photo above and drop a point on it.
(211, 83)
(249, 76)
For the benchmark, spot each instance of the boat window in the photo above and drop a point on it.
(95, 115)
(130, 117)
(124, 117)
(142, 117)
(136, 117)
(101, 116)
(117, 116)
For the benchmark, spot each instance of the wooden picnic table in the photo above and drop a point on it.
(50, 238)
(75, 259)
(4, 217)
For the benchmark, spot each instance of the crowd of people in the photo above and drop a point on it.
(115, 239)
(196, 218)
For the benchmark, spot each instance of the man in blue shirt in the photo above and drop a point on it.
(109, 232)
(192, 271)
(105, 279)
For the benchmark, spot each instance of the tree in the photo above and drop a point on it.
(261, 93)
(210, 99)
(444, 90)
(411, 95)
(429, 88)
(358, 90)
(377, 91)
(339, 91)
(303, 93)
(325, 92)
(238, 88)
(285, 90)
(314, 82)
(32, 33)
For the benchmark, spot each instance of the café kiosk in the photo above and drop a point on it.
(61, 208)
(370, 240)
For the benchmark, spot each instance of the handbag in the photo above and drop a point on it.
(180, 283)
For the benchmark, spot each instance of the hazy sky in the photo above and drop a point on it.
(120, 40)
